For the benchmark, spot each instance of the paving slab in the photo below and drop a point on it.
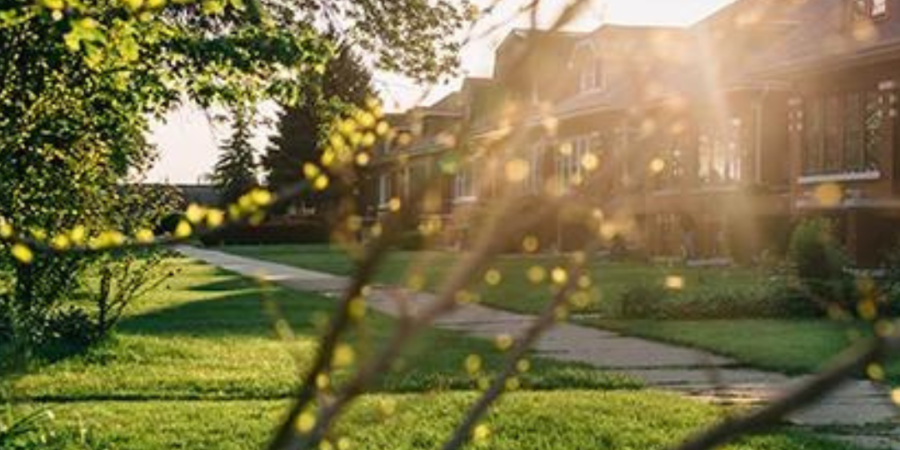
(692, 372)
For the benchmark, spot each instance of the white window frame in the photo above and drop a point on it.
(879, 8)
(464, 185)
(592, 77)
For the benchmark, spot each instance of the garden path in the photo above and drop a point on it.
(696, 373)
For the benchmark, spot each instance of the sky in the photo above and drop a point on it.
(188, 142)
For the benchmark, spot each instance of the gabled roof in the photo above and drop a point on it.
(719, 53)
(521, 34)
(632, 52)
(828, 37)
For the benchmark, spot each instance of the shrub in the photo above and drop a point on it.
(69, 331)
(889, 284)
(643, 301)
(121, 279)
(773, 298)
(285, 231)
(819, 263)
(411, 241)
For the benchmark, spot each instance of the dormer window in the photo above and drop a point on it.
(592, 77)
(869, 9)
(879, 8)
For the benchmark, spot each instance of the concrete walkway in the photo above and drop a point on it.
(692, 372)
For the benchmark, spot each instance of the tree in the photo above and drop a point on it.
(235, 172)
(81, 81)
(301, 128)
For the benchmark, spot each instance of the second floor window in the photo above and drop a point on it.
(592, 77)
(866, 9)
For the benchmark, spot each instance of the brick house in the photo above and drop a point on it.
(842, 119)
(704, 143)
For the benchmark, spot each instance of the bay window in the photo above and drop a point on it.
(720, 154)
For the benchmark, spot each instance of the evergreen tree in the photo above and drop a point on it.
(235, 170)
(300, 129)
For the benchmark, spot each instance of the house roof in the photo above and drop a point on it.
(833, 41)
(633, 52)
(719, 53)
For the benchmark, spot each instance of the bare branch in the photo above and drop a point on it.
(845, 366)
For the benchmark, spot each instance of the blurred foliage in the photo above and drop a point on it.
(36, 309)
(81, 81)
(772, 298)
(820, 262)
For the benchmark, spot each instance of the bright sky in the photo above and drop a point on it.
(188, 142)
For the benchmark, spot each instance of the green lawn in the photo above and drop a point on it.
(793, 346)
(515, 291)
(207, 336)
(558, 420)
(197, 366)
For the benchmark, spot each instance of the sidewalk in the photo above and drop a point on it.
(692, 372)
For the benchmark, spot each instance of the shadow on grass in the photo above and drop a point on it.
(243, 313)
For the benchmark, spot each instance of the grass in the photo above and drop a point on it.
(786, 345)
(197, 366)
(207, 336)
(792, 346)
(556, 420)
(515, 292)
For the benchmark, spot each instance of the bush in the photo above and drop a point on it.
(411, 241)
(70, 330)
(819, 263)
(643, 302)
(889, 284)
(771, 299)
(290, 231)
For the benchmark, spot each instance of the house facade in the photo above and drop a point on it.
(703, 143)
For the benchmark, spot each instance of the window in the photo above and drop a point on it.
(866, 9)
(384, 189)
(842, 133)
(814, 142)
(536, 163)
(831, 158)
(720, 154)
(592, 76)
(860, 9)
(464, 184)
(673, 170)
(873, 121)
(569, 163)
(854, 135)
